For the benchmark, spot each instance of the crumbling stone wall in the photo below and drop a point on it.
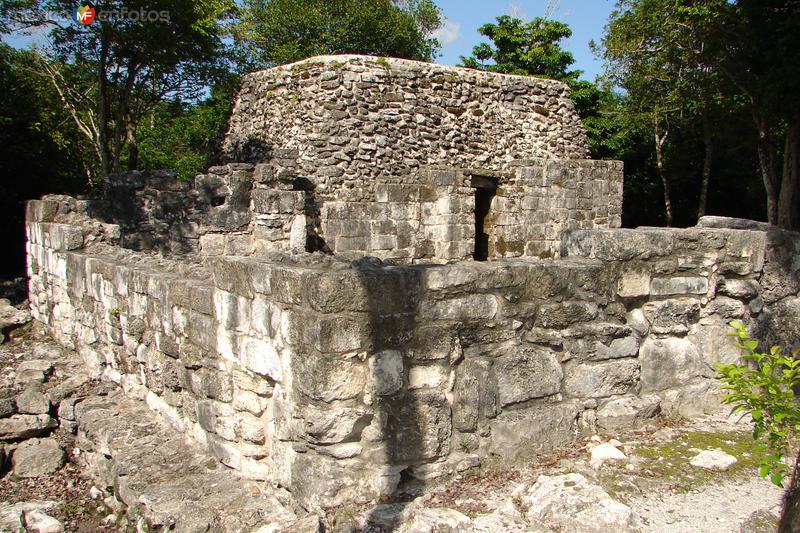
(243, 209)
(344, 121)
(336, 379)
(381, 157)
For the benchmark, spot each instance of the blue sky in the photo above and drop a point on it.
(586, 18)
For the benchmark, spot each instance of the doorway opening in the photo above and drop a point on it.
(485, 189)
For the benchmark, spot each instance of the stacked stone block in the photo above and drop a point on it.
(336, 379)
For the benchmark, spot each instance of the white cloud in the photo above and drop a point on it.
(449, 32)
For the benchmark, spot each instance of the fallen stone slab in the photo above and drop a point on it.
(605, 452)
(19, 427)
(32, 372)
(8, 407)
(37, 457)
(164, 480)
(67, 388)
(713, 460)
(31, 401)
(11, 317)
(571, 503)
(441, 520)
(38, 522)
(30, 514)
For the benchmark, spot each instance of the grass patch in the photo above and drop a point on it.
(666, 465)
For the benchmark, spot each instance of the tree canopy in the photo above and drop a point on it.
(274, 32)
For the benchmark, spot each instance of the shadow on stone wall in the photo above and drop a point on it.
(403, 416)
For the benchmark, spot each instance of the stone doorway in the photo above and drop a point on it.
(485, 189)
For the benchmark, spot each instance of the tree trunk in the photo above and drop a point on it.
(133, 147)
(789, 202)
(102, 106)
(708, 141)
(659, 141)
(790, 517)
(766, 160)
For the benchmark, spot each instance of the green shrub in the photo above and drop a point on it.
(763, 387)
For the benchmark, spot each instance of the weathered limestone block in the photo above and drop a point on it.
(527, 374)
(678, 285)
(471, 307)
(672, 316)
(19, 427)
(261, 357)
(627, 412)
(694, 399)
(427, 376)
(669, 362)
(32, 402)
(571, 503)
(711, 338)
(557, 316)
(599, 380)
(744, 289)
(332, 425)
(618, 245)
(474, 394)
(386, 372)
(419, 428)
(634, 283)
(334, 292)
(329, 378)
(519, 435)
(37, 457)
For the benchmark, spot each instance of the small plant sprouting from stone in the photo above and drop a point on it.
(336, 65)
(383, 63)
(764, 387)
(463, 443)
(114, 312)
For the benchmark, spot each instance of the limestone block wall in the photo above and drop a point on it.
(233, 209)
(339, 379)
(242, 209)
(345, 121)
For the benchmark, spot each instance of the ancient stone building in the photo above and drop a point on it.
(392, 158)
(299, 321)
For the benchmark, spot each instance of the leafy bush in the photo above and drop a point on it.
(764, 387)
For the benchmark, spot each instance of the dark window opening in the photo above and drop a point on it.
(485, 189)
(217, 201)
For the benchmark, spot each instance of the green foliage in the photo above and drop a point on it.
(764, 388)
(40, 149)
(182, 138)
(275, 32)
(127, 65)
(531, 48)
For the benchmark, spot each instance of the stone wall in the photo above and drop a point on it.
(344, 121)
(337, 379)
(242, 209)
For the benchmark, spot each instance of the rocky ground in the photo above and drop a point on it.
(672, 476)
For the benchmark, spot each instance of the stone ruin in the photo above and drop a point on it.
(399, 271)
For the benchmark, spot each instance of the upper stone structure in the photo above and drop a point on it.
(356, 118)
(396, 159)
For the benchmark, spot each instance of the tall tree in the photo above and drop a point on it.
(274, 32)
(658, 60)
(753, 44)
(131, 56)
(531, 48)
